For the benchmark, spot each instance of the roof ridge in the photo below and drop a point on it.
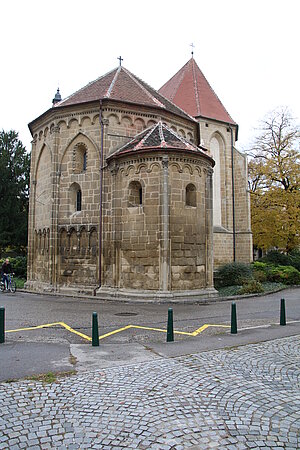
(196, 87)
(146, 132)
(161, 134)
(181, 138)
(136, 80)
(84, 87)
(190, 90)
(140, 81)
(181, 73)
(109, 89)
(163, 141)
(151, 129)
(212, 91)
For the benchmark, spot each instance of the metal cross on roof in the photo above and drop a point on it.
(192, 45)
(120, 60)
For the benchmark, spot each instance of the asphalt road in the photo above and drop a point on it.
(29, 310)
(55, 348)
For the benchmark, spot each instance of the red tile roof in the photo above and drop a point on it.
(121, 85)
(158, 137)
(190, 90)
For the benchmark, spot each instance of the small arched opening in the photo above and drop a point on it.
(80, 158)
(135, 195)
(190, 195)
(75, 198)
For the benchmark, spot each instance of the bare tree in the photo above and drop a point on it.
(274, 182)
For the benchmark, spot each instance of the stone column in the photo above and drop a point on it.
(102, 175)
(31, 214)
(165, 229)
(209, 226)
(115, 226)
(55, 179)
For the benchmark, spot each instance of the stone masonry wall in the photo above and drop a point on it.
(223, 248)
(138, 225)
(134, 251)
(42, 194)
(242, 209)
(187, 224)
(60, 141)
(223, 238)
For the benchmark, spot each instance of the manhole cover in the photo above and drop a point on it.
(126, 314)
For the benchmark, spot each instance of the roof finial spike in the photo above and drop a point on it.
(120, 60)
(192, 45)
(57, 98)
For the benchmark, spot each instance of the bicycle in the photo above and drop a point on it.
(11, 284)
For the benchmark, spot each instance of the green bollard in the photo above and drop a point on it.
(170, 330)
(233, 319)
(282, 312)
(2, 324)
(95, 331)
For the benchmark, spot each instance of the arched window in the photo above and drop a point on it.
(215, 150)
(75, 198)
(135, 197)
(84, 160)
(78, 200)
(190, 195)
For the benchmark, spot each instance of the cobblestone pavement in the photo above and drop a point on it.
(238, 398)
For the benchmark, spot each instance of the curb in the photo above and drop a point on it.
(159, 301)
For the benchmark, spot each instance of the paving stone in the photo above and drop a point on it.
(243, 398)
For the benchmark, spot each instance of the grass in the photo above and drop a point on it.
(229, 291)
(44, 378)
(51, 377)
(271, 286)
(73, 360)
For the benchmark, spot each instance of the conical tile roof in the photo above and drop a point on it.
(157, 137)
(121, 85)
(190, 90)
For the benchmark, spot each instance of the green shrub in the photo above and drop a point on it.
(259, 265)
(251, 287)
(19, 265)
(276, 257)
(275, 273)
(260, 271)
(284, 274)
(294, 257)
(19, 282)
(233, 274)
(260, 275)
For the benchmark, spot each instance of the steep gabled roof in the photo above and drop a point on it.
(157, 137)
(190, 90)
(121, 85)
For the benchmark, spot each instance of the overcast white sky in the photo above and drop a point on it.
(248, 51)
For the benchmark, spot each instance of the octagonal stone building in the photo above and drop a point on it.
(121, 201)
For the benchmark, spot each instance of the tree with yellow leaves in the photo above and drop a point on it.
(274, 183)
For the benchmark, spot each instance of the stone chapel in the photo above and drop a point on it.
(136, 193)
